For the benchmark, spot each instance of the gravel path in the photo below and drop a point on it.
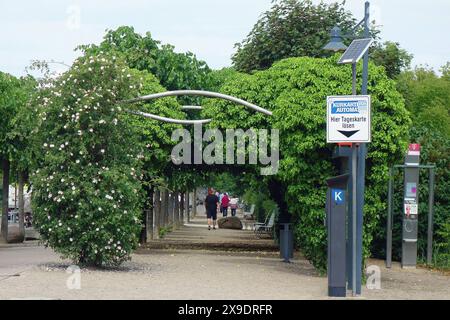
(170, 274)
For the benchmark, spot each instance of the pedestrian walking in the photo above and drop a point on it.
(225, 203)
(211, 203)
(233, 206)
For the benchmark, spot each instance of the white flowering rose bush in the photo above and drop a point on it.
(87, 198)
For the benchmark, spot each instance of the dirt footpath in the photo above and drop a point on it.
(35, 272)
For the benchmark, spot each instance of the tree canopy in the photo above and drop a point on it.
(291, 28)
(297, 28)
(175, 71)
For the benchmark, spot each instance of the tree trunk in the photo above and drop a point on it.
(194, 204)
(170, 209)
(157, 205)
(149, 218)
(176, 211)
(5, 200)
(188, 217)
(21, 206)
(165, 207)
(182, 205)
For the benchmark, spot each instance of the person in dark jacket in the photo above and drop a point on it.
(211, 203)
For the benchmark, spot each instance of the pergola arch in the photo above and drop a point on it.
(206, 94)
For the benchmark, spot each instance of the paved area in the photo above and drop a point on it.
(36, 272)
(33, 272)
(195, 235)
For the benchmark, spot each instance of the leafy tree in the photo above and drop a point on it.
(218, 77)
(13, 96)
(21, 141)
(427, 98)
(295, 90)
(392, 57)
(155, 135)
(291, 28)
(175, 71)
(446, 71)
(86, 192)
(296, 28)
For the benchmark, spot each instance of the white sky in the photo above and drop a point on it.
(51, 29)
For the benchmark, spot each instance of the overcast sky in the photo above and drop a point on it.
(51, 29)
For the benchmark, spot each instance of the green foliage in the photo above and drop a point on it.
(297, 28)
(12, 98)
(155, 135)
(446, 71)
(392, 57)
(218, 77)
(292, 28)
(442, 249)
(436, 150)
(258, 195)
(86, 193)
(163, 231)
(296, 90)
(175, 71)
(227, 182)
(23, 127)
(427, 97)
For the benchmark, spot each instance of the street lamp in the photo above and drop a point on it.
(336, 41)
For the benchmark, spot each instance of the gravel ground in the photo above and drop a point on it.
(35, 272)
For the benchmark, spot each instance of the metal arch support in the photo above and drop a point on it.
(206, 94)
(192, 108)
(169, 120)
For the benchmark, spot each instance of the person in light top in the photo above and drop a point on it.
(233, 206)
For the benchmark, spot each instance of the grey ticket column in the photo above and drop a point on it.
(411, 207)
(337, 196)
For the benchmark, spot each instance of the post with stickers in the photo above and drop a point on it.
(411, 204)
(410, 209)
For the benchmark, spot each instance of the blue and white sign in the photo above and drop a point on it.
(348, 119)
(338, 196)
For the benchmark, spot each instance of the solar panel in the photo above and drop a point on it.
(355, 51)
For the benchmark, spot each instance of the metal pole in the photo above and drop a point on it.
(362, 154)
(354, 79)
(365, 77)
(389, 223)
(430, 219)
(354, 172)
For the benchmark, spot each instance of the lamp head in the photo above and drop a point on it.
(335, 43)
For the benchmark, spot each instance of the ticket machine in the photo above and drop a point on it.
(411, 207)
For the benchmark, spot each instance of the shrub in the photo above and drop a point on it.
(86, 193)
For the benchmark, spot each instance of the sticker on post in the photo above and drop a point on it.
(411, 209)
(338, 196)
